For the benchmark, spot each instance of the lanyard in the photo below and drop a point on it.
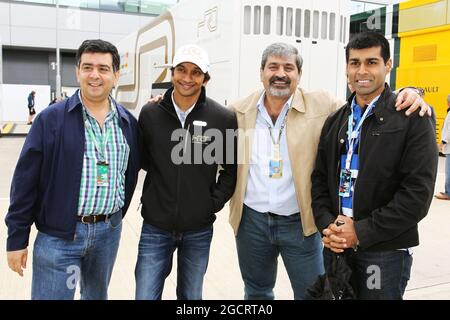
(281, 129)
(353, 134)
(100, 146)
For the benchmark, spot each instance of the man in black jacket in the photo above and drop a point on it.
(375, 173)
(184, 138)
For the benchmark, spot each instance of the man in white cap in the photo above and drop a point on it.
(183, 141)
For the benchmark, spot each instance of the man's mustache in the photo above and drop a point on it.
(282, 79)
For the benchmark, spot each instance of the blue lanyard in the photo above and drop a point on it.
(354, 133)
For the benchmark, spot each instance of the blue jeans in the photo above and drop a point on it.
(381, 275)
(59, 264)
(261, 238)
(154, 264)
(447, 174)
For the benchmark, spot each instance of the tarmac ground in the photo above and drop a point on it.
(430, 276)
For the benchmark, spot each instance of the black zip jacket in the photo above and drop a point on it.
(185, 195)
(397, 171)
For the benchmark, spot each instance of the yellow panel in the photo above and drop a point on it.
(425, 53)
(415, 3)
(414, 33)
(439, 40)
(426, 16)
(435, 82)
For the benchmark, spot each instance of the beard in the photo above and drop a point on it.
(277, 92)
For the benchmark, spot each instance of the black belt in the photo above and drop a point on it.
(92, 218)
(281, 215)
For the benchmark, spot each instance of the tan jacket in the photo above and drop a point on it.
(303, 127)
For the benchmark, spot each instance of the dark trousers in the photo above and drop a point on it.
(381, 275)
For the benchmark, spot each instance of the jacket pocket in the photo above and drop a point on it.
(386, 131)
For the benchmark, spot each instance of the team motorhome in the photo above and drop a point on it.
(235, 33)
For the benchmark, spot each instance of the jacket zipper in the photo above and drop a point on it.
(359, 162)
(174, 224)
(339, 166)
(179, 178)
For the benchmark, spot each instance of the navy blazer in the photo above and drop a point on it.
(46, 183)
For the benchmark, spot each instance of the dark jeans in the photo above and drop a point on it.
(261, 238)
(58, 264)
(381, 275)
(156, 248)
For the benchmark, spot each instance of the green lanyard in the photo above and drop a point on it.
(100, 146)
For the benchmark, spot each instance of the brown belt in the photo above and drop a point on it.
(92, 218)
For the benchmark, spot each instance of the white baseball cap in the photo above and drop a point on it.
(193, 54)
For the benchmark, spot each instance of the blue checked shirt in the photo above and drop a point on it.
(108, 199)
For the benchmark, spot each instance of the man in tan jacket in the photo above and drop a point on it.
(270, 211)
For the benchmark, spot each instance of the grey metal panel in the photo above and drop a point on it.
(113, 38)
(4, 13)
(68, 78)
(34, 25)
(25, 67)
(78, 20)
(5, 30)
(33, 37)
(5, 34)
(33, 16)
(35, 67)
(69, 39)
(51, 62)
(118, 23)
(67, 70)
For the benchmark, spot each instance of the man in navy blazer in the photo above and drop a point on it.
(74, 180)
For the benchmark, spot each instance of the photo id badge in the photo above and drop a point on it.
(345, 181)
(102, 174)
(275, 168)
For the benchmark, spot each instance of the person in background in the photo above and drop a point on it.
(31, 110)
(444, 148)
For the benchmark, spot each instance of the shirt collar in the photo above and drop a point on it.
(178, 109)
(262, 108)
(260, 103)
(75, 102)
(112, 107)
(373, 102)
